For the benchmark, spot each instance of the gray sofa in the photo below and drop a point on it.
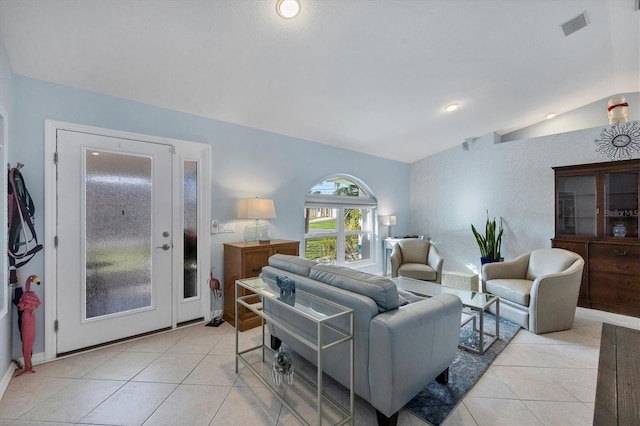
(399, 347)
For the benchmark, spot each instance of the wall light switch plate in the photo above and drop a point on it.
(225, 228)
(221, 228)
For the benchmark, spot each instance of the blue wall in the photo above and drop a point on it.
(246, 162)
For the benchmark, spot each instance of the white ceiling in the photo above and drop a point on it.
(367, 75)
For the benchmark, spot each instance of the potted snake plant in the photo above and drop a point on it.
(490, 242)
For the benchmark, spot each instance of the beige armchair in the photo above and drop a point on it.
(418, 259)
(538, 290)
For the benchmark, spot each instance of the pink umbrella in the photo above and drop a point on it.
(28, 303)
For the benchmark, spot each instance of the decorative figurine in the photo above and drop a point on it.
(282, 367)
(287, 289)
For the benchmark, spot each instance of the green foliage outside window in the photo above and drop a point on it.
(324, 249)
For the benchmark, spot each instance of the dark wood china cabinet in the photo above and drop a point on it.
(596, 215)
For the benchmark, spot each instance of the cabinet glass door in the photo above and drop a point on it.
(576, 205)
(621, 205)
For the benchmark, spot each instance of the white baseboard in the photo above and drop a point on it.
(7, 378)
(8, 375)
(35, 359)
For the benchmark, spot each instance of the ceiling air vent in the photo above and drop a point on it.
(577, 23)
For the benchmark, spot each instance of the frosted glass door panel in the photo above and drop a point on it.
(193, 294)
(118, 227)
(114, 226)
(190, 286)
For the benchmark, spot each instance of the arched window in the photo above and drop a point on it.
(339, 216)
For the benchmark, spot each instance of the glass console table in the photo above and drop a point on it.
(308, 309)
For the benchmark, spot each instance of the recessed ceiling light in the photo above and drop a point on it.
(550, 116)
(288, 8)
(451, 107)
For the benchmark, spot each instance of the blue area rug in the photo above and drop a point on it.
(434, 403)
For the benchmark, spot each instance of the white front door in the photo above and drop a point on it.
(115, 242)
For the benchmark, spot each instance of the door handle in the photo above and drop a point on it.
(164, 247)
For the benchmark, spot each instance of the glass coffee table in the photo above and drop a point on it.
(472, 301)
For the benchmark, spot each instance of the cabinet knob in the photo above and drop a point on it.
(620, 253)
(256, 270)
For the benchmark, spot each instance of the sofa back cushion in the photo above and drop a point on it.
(549, 261)
(294, 264)
(382, 290)
(414, 250)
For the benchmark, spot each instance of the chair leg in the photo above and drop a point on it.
(275, 343)
(443, 378)
(387, 421)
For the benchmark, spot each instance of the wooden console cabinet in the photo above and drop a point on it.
(597, 217)
(245, 260)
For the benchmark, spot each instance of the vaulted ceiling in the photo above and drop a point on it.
(368, 75)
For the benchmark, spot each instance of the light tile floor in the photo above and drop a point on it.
(187, 377)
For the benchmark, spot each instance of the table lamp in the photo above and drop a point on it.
(257, 208)
(387, 220)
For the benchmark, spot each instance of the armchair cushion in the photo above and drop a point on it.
(414, 250)
(418, 271)
(515, 290)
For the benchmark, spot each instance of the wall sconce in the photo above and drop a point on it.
(257, 208)
(387, 220)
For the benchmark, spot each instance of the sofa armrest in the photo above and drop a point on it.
(516, 268)
(554, 298)
(435, 261)
(409, 347)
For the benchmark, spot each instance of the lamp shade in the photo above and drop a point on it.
(257, 208)
(387, 220)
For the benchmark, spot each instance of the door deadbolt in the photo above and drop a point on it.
(165, 234)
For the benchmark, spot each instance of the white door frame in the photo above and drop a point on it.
(50, 226)
(5, 302)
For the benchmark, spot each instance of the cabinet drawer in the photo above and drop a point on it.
(254, 260)
(290, 250)
(617, 289)
(621, 259)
